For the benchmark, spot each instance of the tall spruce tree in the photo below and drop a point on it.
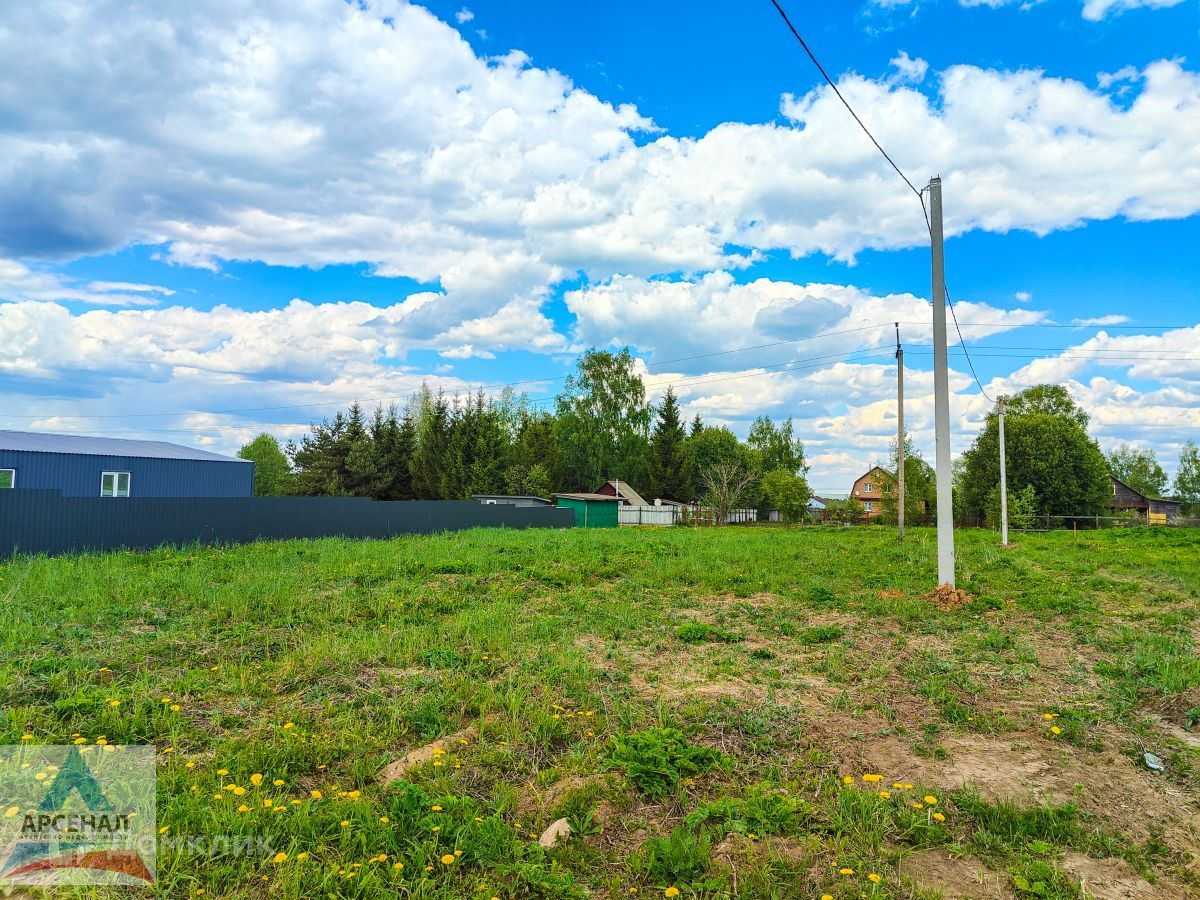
(668, 463)
(431, 426)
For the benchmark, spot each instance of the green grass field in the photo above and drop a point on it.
(738, 712)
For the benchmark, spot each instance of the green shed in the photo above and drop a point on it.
(591, 510)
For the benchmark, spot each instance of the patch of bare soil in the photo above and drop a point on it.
(1029, 769)
(539, 803)
(955, 878)
(1115, 879)
(946, 597)
(396, 770)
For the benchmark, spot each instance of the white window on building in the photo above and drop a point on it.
(868, 506)
(114, 484)
(868, 487)
(8, 478)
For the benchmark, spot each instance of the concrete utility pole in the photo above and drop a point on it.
(941, 392)
(1003, 482)
(899, 433)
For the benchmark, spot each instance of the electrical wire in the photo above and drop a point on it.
(845, 103)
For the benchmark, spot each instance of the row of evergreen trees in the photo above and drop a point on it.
(601, 426)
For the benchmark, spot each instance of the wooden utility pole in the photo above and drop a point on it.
(899, 433)
(941, 392)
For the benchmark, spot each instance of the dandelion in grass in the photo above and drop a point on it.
(874, 878)
(354, 795)
(384, 819)
(671, 892)
(190, 764)
(243, 808)
(845, 870)
(278, 782)
(27, 737)
(256, 779)
(114, 703)
(301, 857)
(175, 707)
(436, 808)
(345, 823)
(238, 790)
(871, 779)
(11, 811)
(222, 772)
(847, 779)
(884, 795)
(288, 726)
(316, 795)
(448, 859)
(80, 740)
(938, 817)
(280, 857)
(164, 829)
(398, 866)
(931, 800)
(827, 897)
(1054, 729)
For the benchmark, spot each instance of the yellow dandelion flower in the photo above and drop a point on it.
(288, 726)
(354, 795)
(190, 764)
(874, 878)
(80, 740)
(316, 795)
(222, 771)
(908, 787)
(479, 818)
(166, 699)
(280, 857)
(114, 703)
(848, 779)
(448, 859)
(931, 800)
(671, 892)
(827, 897)
(175, 707)
(11, 811)
(345, 823)
(458, 853)
(845, 870)
(278, 782)
(884, 795)
(267, 802)
(939, 817)
(238, 790)
(436, 808)
(27, 737)
(436, 829)
(256, 779)
(1054, 729)
(213, 668)
(40, 776)
(384, 819)
(917, 805)
(301, 857)
(165, 749)
(164, 829)
(397, 866)
(294, 802)
(872, 778)
(243, 808)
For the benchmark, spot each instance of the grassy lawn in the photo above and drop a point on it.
(738, 712)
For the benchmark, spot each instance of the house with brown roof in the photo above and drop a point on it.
(1156, 510)
(870, 488)
(622, 491)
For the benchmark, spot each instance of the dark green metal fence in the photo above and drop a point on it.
(46, 522)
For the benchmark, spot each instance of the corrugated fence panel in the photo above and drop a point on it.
(46, 522)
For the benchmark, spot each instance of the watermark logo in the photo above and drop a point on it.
(77, 815)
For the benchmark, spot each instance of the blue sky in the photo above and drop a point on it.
(282, 208)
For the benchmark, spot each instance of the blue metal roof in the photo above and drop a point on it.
(41, 442)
